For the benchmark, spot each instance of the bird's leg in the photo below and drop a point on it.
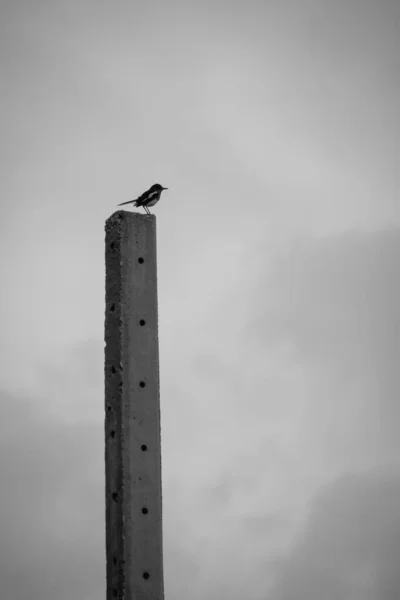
(146, 209)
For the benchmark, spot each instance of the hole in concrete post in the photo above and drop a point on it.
(115, 592)
(145, 510)
(114, 560)
(109, 408)
(146, 575)
(112, 434)
(115, 497)
(143, 447)
(142, 322)
(142, 384)
(113, 369)
(140, 260)
(112, 245)
(112, 307)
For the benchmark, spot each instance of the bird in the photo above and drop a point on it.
(149, 198)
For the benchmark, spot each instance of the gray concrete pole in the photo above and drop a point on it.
(132, 411)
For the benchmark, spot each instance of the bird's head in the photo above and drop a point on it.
(157, 188)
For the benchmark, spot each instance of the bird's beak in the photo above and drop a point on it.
(165, 188)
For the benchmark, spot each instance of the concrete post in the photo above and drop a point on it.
(132, 411)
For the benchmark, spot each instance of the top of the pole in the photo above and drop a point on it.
(127, 214)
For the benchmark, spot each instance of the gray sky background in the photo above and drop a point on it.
(276, 127)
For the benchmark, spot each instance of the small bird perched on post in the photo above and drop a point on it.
(148, 198)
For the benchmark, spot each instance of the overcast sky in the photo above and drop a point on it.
(275, 126)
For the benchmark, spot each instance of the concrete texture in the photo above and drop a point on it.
(132, 411)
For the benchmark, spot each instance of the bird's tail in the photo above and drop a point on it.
(129, 201)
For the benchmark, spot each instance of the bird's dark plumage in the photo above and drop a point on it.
(149, 198)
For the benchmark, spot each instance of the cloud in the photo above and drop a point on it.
(331, 306)
(350, 543)
(52, 508)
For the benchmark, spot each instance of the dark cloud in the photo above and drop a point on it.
(52, 509)
(332, 305)
(342, 288)
(350, 543)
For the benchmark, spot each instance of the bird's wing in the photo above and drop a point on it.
(150, 197)
(140, 199)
